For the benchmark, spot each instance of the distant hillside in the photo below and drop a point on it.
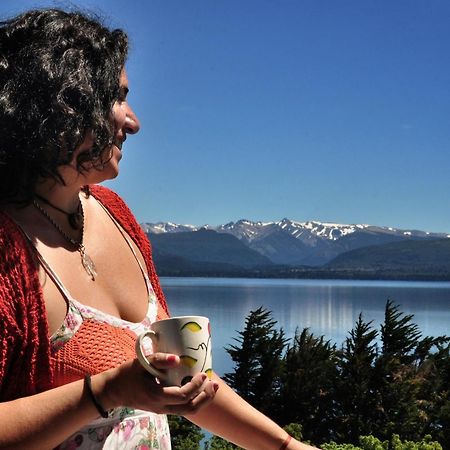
(288, 242)
(289, 249)
(415, 257)
(206, 247)
(176, 266)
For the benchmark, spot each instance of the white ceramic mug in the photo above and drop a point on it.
(189, 337)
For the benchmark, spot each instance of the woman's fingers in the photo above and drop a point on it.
(148, 394)
(197, 402)
(163, 360)
(188, 399)
(182, 395)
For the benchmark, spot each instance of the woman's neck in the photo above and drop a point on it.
(63, 196)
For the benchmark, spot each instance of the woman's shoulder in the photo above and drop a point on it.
(121, 212)
(11, 238)
(118, 208)
(106, 196)
(17, 266)
(115, 205)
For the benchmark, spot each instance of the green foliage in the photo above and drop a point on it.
(402, 387)
(398, 334)
(334, 446)
(217, 443)
(355, 385)
(295, 430)
(395, 443)
(308, 382)
(395, 396)
(184, 434)
(433, 356)
(258, 360)
(396, 377)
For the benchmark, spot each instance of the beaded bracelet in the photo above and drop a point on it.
(97, 404)
(285, 443)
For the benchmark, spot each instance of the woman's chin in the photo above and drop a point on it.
(107, 172)
(110, 172)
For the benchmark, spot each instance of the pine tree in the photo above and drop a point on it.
(398, 334)
(433, 355)
(396, 391)
(258, 360)
(308, 387)
(356, 382)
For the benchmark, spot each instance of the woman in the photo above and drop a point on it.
(77, 282)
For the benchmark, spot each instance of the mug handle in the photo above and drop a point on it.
(142, 358)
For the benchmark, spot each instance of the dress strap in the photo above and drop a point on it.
(50, 272)
(128, 241)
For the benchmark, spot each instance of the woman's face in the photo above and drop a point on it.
(125, 122)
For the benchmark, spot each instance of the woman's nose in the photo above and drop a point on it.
(132, 124)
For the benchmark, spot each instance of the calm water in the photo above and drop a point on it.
(327, 307)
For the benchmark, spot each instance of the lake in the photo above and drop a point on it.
(327, 307)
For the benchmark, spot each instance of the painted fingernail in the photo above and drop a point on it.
(171, 358)
(216, 386)
(204, 377)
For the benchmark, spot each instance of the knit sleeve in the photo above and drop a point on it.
(9, 336)
(24, 347)
(118, 208)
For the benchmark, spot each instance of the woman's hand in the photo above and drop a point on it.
(131, 385)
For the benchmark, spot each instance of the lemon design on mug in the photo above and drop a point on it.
(192, 326)
(188, 361)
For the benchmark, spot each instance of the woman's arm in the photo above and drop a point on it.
(232, 418)
(48, 418)
(45, 419)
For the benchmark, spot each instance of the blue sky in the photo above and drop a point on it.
(328, 110)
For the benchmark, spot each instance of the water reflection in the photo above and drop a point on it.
(328, 308)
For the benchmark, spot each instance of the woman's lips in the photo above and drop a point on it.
(119, 142)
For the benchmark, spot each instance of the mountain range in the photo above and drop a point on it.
(291, 248)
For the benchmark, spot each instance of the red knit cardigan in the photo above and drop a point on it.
(25, 365)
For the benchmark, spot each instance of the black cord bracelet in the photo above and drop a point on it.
(97, 404)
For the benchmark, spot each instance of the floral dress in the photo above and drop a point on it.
(125, 428)
(75, 351)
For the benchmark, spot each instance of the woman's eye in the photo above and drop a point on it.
(123, 95)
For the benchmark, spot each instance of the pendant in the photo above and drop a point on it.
(87, 263)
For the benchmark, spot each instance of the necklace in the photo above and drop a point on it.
(86, 260)
(75, 219)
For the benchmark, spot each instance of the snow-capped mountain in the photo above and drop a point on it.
(249, 231)
(167, 227)
(301, 243)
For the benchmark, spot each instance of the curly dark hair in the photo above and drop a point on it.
(59, 78)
